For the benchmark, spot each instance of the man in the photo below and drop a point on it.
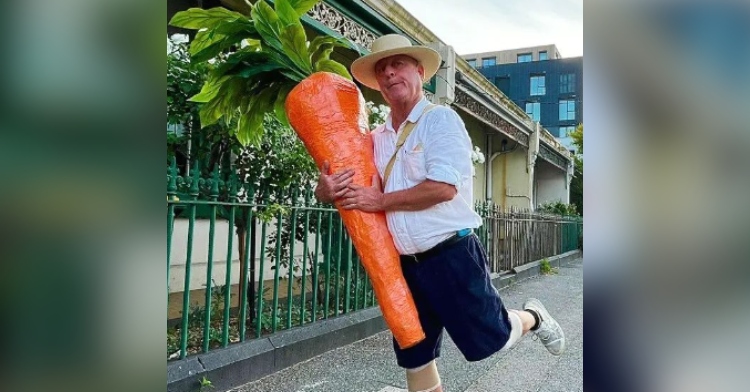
(427, 198)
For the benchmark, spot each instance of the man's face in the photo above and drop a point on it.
(399, 78)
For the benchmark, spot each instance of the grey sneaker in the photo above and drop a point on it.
(549, 332)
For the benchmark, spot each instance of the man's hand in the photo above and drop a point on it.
(368, 199)
(332, 186)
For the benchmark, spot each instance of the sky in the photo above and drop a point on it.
(474, 26)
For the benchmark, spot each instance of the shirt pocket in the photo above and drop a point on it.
(415, 165)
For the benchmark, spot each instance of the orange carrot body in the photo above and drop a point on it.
(328, 114)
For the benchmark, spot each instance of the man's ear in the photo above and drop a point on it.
(420, 69)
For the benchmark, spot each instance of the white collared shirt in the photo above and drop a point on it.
(438, 149)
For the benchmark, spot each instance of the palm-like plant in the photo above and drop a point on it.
(274, 55)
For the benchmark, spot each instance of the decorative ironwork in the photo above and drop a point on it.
(549, 155)
(466, 102)
(547, 137)
(338, 22)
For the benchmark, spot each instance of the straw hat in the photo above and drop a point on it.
(363, 68)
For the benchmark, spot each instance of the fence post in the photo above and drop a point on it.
(193, 182)
(171, 195)
(213, 196)
(248, 270)
(515, 237)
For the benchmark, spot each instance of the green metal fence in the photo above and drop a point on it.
(241, 265)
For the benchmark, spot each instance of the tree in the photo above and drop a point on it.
(264, 170)
(577, 137)
(576, 185)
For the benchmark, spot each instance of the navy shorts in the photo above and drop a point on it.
(452, 290)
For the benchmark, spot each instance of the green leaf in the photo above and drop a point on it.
(210, 90)
(247, 129)
(209, 43)
(238, 59)
(290, 70)
(287, 14)
(251, 130)
(334, 67)
(244, 26)
(294, 43)
(278, 107)
(294, 76)
(253, 45)
(322, 47)
(318, 41)
(222, 35)
(267, 23)
(250, 123)
(204, 39)
(267, 97)
(302, 6)
(258, 87)
(231, 95)
(322, 53)
(249, 71)
(210, 113)
(198, 18)
(225, 101)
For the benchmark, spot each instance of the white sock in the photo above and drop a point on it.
(516, 330)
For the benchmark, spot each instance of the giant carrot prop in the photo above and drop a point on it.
(280, 71)
(326, 111)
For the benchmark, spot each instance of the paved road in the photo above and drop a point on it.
(369, 365)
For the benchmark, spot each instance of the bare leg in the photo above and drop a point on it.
(527, 320)
(424, 378)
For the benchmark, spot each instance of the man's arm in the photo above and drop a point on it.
(372, 199)
(448, 164)
(421, 197)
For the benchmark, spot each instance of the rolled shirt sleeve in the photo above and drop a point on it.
(448, 151)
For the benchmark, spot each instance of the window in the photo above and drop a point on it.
(503, 84)
(538, 85)
(533, 110)
(524, 58)
(488, 62)
(567, 110)
(567, 83)
(564, 131)
(543, 55)
(472, 63)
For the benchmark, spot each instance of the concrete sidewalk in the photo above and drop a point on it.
(369, 365)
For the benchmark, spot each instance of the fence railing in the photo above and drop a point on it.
(515, 237)
(244, 263)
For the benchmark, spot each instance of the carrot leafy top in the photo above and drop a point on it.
(273, 55)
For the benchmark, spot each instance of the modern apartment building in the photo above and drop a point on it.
(522, 55)
(539, 80)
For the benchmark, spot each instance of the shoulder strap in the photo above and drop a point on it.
(401, 140)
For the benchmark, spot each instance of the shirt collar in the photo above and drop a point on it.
(413, 117)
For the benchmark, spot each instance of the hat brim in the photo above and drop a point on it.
(363, 68)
